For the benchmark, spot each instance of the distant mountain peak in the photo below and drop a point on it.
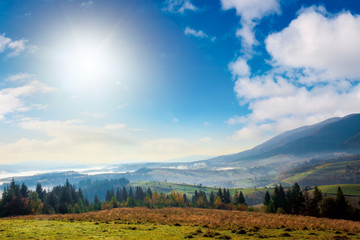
(338, 134)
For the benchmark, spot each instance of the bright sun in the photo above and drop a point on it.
(86, 63)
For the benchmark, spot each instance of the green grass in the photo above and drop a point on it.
(326, 173)
(52, 229)
(175, 223)
(348, 189)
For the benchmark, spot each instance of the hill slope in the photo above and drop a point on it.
(329, 136)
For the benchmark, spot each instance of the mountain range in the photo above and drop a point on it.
(335, 138)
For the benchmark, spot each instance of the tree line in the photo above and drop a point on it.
(19, 200)
(138, 196)
(302, 202)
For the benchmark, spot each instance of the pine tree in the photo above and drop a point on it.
(195, 197)
(282, 198)
(315, 202)
(227, 197)
(131, 194)
(186, 201)
(86, 202)
(341, 204)
(50, 203)
(220, 195)
(241, 198)
(297, 201)
(40, 192)
(139, 193)
(212, 199)
(124, 194)
(149, 192)
(267, 198)
(24, 191)
(97, 203)
(317, 195)
(13, 203)
(118, 195)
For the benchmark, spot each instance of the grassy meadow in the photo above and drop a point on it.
(175, 223)
(327, 173)
(348, 189)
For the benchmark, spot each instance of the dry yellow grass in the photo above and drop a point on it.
(220, 219)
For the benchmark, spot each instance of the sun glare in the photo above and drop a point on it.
(84, 64)
(87, 63)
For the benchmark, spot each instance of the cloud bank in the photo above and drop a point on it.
(14, 48)
(314, 75)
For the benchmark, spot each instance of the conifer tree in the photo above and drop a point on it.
(24, 191)
(131, 193)
(108, 196)
(149, 192)
(118, 195)
(267, 198)
(212, 199)
(241, 198)
(40, 192)
(124, 194)
(97, 203)
(341, 204)
(297, 201)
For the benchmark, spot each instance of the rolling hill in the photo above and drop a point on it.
(335, 140)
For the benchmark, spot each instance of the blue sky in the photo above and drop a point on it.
(147, 80)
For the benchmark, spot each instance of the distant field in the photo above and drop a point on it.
(348, 189)
(176, 223)
(327, 173)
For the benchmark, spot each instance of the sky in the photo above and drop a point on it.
(113, 81)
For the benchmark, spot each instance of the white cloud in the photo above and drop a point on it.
(14, 47)
(4, 42)
(318, 41)
(261, 87)
(67, 141)
(313, 76)
(250, 132)
(17, 47)
(198, 33)
(74, 131)
(285, 104)
(175, 120)
(239, 68)
(13, 99)
(251, 11)
(236, 120)
(76, 141)
(179, 6)
(19, 77)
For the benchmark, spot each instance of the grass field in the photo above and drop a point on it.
(175, 223)
(325, 173)
(348, 189)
